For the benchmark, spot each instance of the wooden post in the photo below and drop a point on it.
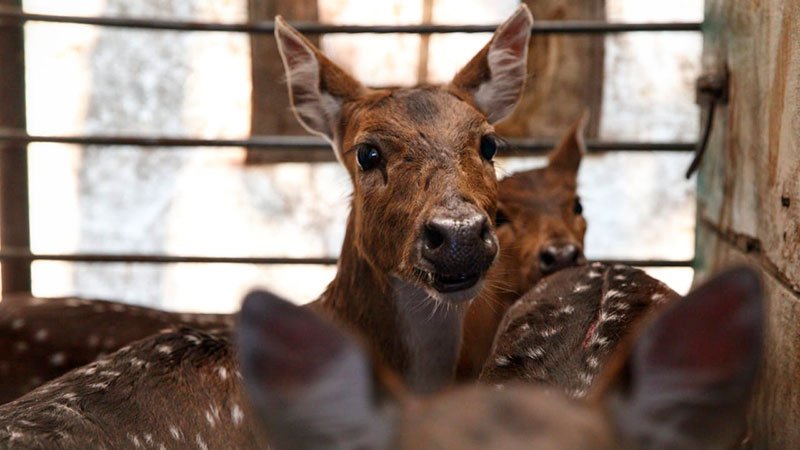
(270, 110)
(748, 194)
(566, 74)
(14, 218)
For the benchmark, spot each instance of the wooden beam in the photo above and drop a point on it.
(14, 215)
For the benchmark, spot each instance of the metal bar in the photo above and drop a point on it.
(541, 27)
(14, 214)
(25, 255)
(516, 146)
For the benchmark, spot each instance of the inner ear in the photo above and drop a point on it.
(570, 150)
(495, 77)
(318, 88)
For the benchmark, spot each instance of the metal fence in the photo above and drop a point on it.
(15, 253)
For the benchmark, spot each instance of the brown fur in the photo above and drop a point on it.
(539, 205)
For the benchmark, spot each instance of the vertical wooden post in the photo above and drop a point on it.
(270, 110)
(14, 218)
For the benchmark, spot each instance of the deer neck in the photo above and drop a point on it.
(412, 333)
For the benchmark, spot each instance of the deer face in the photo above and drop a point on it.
(540, 213)
(420, 159)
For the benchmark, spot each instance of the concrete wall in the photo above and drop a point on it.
(749, 188)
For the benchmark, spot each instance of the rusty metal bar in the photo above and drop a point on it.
(26, 255)
(541, 27)
(300, 146)
(14, 214)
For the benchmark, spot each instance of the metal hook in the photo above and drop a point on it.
(712, 90)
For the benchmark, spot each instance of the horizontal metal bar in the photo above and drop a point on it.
(25, 255)
(518, 147)
(540, 27)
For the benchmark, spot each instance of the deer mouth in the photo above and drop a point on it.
(454, 283)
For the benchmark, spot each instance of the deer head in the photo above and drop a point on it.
(680, 384)
(540, 227)
(540, 213)
(420, 159)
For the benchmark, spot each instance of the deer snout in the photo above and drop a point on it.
(554, 257)
(460, 246)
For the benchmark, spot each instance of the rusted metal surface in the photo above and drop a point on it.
(14, 225)
(563, 27)
(749, 188)
(566, 73)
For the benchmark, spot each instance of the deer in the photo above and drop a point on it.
(541, 229)
(296, 379)
(563, 332)
(420, 235)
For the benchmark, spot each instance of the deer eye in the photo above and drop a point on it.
(368, 157)
(577, 208)
(500, 218)
(488, 147)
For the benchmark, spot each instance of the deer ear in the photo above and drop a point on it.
(309, 383)
(688, 380)
(495, 77)
(570, 150)
(317, 86)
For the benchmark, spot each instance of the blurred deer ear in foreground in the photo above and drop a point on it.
(688, 379)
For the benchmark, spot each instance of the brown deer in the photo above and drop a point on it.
(541, 229)
(420, 235)
(678, 384)
(563, 331)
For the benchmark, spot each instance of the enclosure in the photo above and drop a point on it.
(148, 153)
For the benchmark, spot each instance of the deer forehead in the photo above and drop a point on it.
(427, 117)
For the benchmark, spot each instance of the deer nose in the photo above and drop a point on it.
(459, 247)
(553, 258)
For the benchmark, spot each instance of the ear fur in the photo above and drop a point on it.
(310, 384)
(687, 383)
(318, 88)
(570, 150)
(495, 77)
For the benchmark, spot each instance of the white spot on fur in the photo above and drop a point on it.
(593, 274)
(620, 277)
(535, 352)
(58, 359)
(16, 324)
(236, 415)
(658, 297)
(606, 317)
(524, 327)
(223, 373)
(593, 362)
(193, 339)
(581, 288)
(165, 349)
(569, 309)
(176, 433)
(613, 293)
(502, 361)
(135, 440)
(548, 332)
(136, 362)
(597, 265)
(585, 378)
(620, 267)
(101, 385)
(200, 442)
(41, 335)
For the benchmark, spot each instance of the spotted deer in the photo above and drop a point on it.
(41, 339)
(541, 229)
(300, 381)
(420, 235)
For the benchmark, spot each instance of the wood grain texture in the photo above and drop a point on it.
(749, 188)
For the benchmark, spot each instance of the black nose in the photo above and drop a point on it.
(460, 246)
(553, 258)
